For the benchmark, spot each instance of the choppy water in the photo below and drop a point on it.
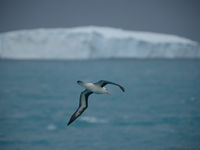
(159, 110)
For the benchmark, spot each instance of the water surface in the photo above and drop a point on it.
(159, 110)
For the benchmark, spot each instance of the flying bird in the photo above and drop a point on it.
(97, 88)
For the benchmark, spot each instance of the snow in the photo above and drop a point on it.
(94, 42)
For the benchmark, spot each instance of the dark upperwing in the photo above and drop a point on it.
(102, 83)
(83, 104)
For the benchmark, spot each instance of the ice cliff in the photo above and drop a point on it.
(94, 42)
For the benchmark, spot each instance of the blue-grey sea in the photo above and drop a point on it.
(160, 109)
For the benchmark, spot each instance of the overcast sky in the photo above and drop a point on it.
(180, 17)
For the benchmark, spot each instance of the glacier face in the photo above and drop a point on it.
(94, 42)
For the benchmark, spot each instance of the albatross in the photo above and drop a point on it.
(97, 88)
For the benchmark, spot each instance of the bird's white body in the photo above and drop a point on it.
(94, 88)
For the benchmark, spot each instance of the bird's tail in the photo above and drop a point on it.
(108, 92)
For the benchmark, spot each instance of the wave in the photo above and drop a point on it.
(91, 119)
(51, 127)
(94, 43)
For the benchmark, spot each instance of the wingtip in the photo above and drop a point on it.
(68, 123)
(123, 89)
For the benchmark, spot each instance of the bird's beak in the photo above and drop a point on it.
(108, 92)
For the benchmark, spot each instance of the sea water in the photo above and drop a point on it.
(160, 108)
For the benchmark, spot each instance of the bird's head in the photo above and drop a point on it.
(80, 82)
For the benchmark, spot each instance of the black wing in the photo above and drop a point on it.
(102, 83)
(83, 104)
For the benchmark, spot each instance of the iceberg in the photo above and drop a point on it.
(93, 42)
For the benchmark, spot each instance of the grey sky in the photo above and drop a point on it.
(180, 17)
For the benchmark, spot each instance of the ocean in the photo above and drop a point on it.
(160, 109)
